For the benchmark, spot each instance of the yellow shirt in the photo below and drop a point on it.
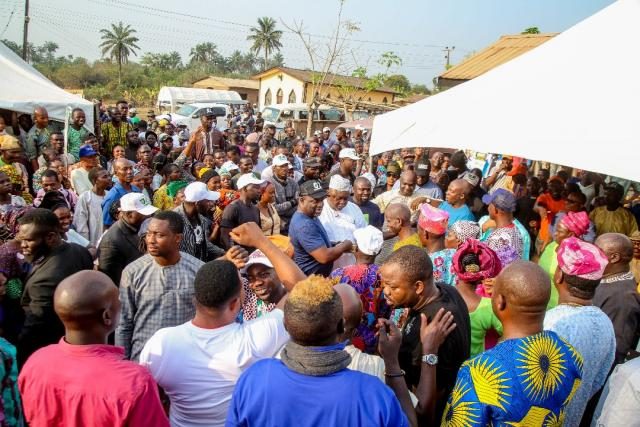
(619, 221)
(413, 240)
(162, 200)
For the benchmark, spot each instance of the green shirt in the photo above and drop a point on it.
(74, 141)
(482, 320)
(549, 262)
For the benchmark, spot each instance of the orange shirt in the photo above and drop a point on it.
(553, 207)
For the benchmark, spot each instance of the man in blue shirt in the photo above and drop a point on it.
(456, 202)
(312, 249)
(311, 381)
(123, 169)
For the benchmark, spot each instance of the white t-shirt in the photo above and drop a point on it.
(198, 368)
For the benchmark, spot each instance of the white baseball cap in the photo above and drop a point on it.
(248, 179)
(368, 239)
(326, 129)
(339, 183)
(348, 153)
(229, 166)
(198, 191)
(280, 160)
(137, 202)
(256, 257)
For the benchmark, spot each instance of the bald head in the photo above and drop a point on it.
(40, 111)
(87, 300)
(351, 307)
(461, 185)
(408, 181)
(361, 181)
(400, 211)
(525, 286)
(612, 243)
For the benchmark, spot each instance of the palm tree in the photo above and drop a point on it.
(203, 54)
(265, 38)
(119, 43)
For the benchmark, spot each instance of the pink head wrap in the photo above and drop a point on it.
(579, 258)
(485, 266)
(432, 219)
(576, 222)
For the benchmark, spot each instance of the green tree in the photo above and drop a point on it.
(119, 43)
(531, 30)
(276, 61)
(265, 38)
(203, 55)
(399, 83)
(421, 89)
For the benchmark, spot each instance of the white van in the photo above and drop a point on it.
(278, 114)
(170, 99)
(189, 114)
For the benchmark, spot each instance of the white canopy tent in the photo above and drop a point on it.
(573, 101)
(23, 88)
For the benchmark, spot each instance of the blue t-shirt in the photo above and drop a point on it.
(307, 234)
(113, 195)
(463, 213)
(270, 394)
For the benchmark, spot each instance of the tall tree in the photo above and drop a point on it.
(119, 43)
(203, 54)
(265, 38)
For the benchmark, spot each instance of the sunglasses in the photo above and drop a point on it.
(395, 175)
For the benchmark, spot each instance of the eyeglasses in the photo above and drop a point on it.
(395, 175)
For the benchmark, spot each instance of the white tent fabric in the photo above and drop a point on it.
(572, 101)
(23, 88)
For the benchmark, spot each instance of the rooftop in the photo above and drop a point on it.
(229, 82)
(332, 79)
(504, 50)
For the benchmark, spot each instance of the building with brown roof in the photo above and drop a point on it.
(504, 50)
(284, 85)
(248, 89)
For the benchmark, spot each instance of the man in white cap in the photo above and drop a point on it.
(287, 191)
(324, 138)
(120, 244)
(340, 217)
(243, 209)
(348, 162)
(263, 289)
(196, 213)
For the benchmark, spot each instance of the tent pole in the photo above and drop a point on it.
(26, 31)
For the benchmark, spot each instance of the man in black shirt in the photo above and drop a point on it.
(362, 198)
(242, 210)
(407, 280)
(310, 169)
(52, 259)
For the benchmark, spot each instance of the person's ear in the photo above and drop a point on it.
(500, 302)
(179, 237)
(614, 258)
(107, 320)
(558, 277)
(419, 285)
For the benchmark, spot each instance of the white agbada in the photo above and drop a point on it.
(341, 224)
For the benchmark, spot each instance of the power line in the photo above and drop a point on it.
(8, 22)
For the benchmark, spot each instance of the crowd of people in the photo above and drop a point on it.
(156, 275)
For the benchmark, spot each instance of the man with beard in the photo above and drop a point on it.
(120, 245)
(242, 210)
(362, 199)
(114, 132)
(52, 259)
(613, 217)
(133, 143)
(313, 251)
(310, 169)
(407, 281)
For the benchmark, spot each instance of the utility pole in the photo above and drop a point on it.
(25, 35)
(447, 54)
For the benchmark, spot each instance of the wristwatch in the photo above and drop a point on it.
(430, 359)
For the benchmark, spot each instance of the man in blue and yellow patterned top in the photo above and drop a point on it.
(530, 377)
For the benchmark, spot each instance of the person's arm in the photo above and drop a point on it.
(325, 255)
(389, 344)
(249, 234)
(81, 217)
(227, 222)
(106, 206)
(432, 335)
(124, 331)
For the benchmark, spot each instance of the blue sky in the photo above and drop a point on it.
(415, 30)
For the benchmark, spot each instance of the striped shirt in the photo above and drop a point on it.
(154, 297)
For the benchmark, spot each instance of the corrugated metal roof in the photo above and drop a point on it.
(229, 82)
(505, 49)
(307, 76)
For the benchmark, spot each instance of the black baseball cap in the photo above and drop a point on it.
(313, 188)
(207, 112)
